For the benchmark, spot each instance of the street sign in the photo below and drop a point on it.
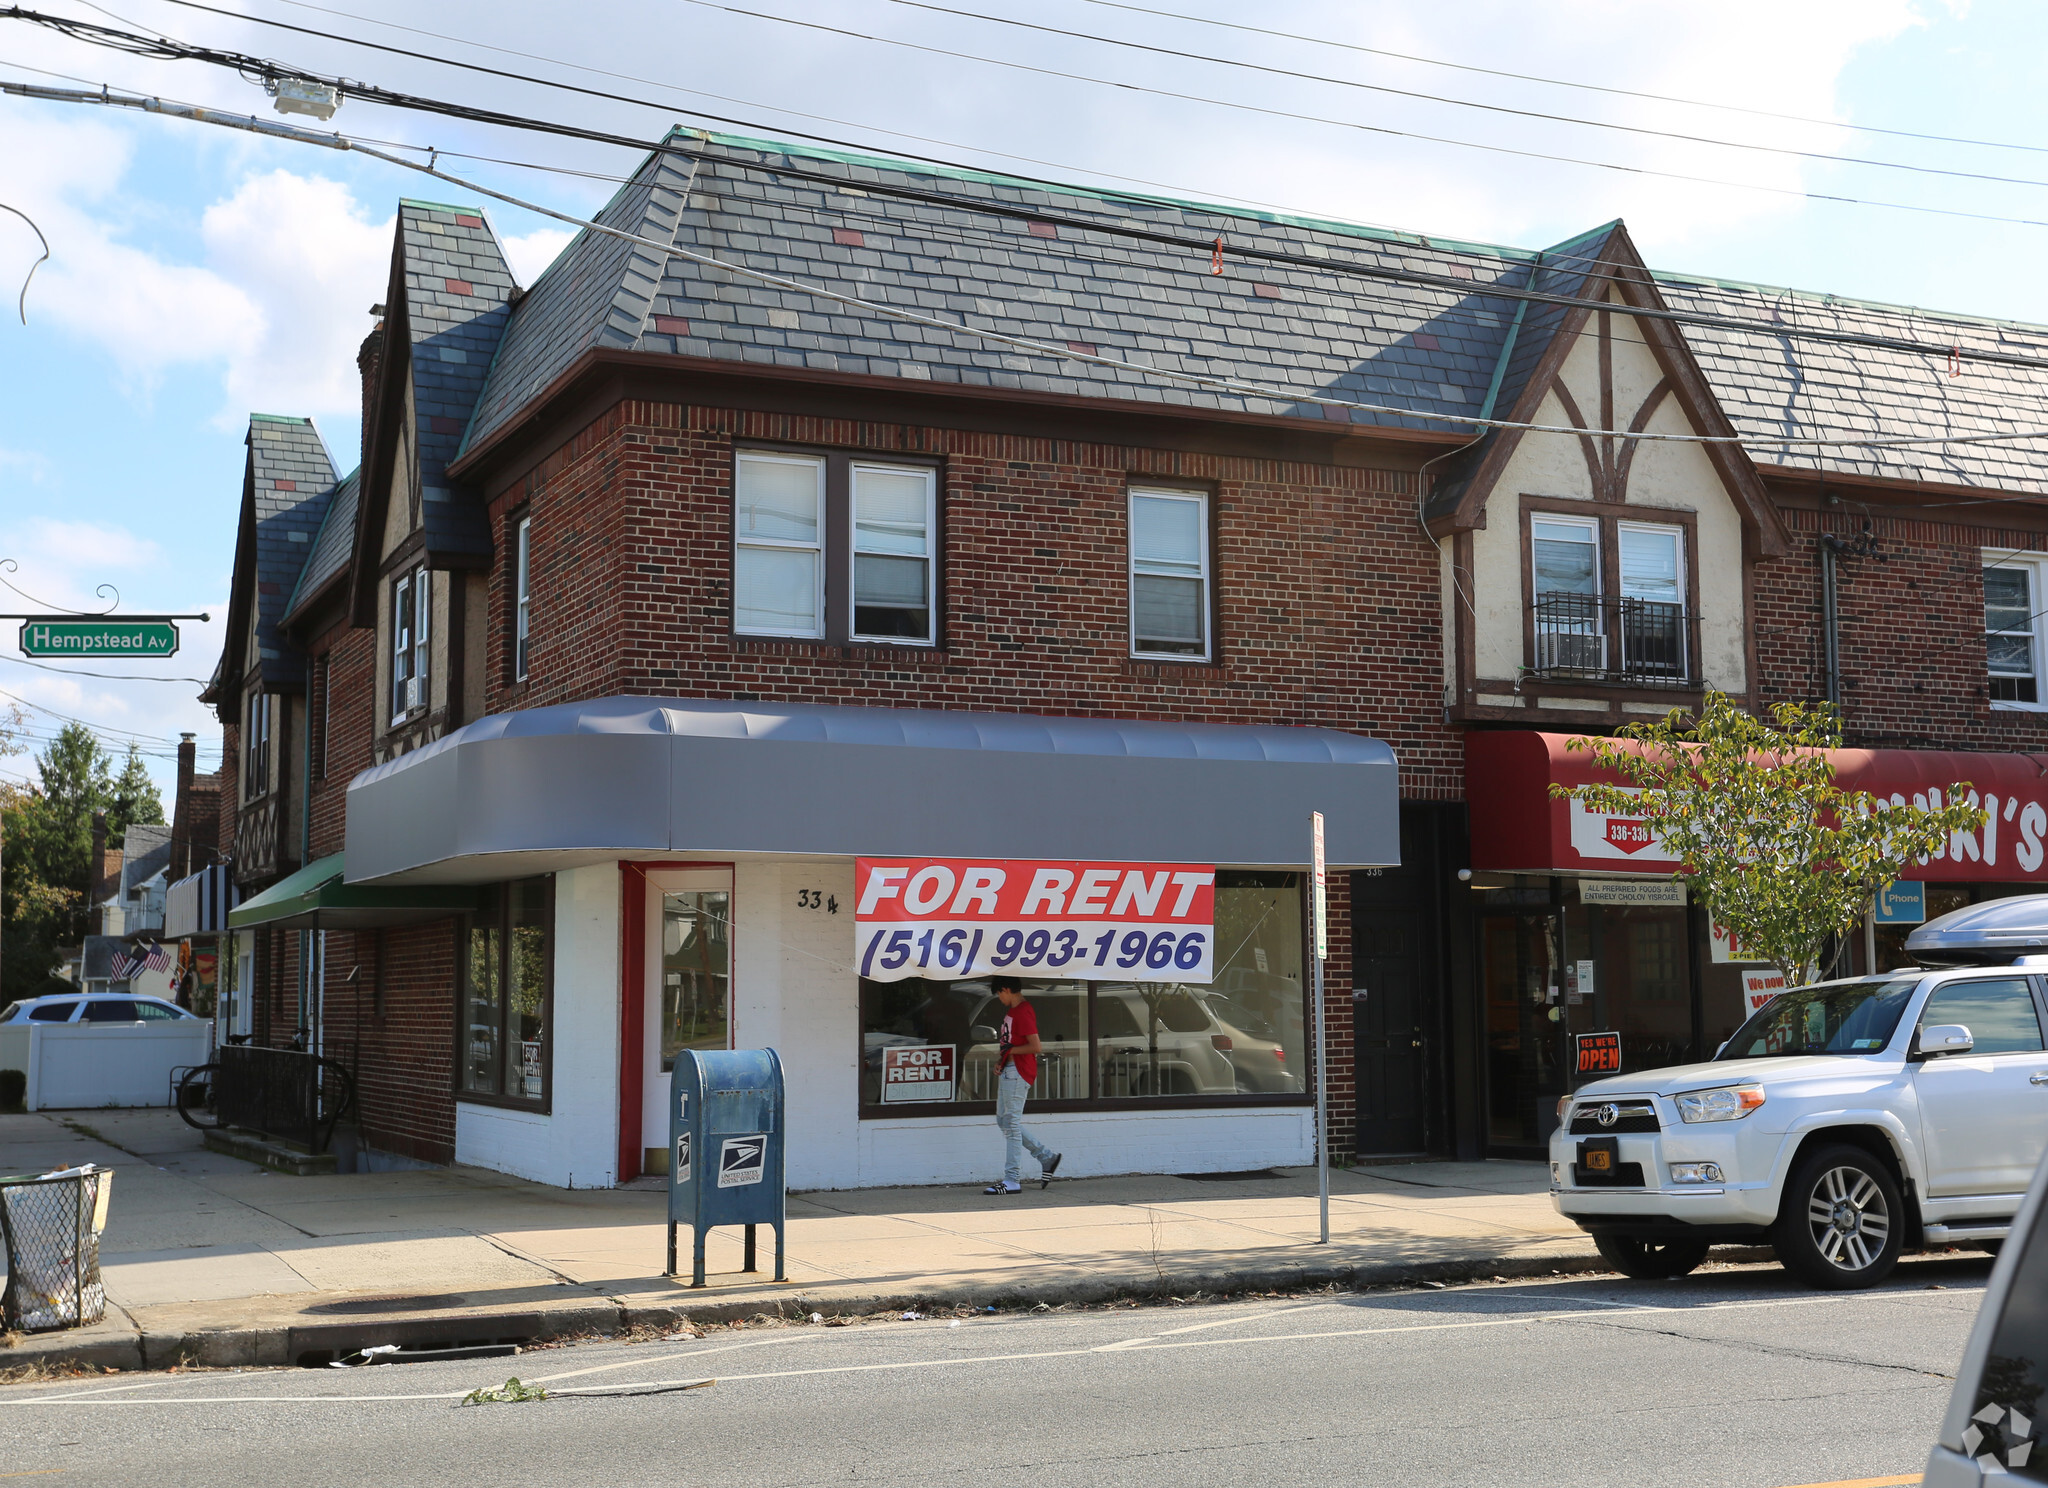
(1320, 915)
(124, 638)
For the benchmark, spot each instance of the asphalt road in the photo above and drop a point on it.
(1733, 1377)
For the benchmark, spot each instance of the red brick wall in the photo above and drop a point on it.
(390, 1016)
(1338, 1020)
(1911, 628)
(351, 656)
(230, 787)
(1327, 588)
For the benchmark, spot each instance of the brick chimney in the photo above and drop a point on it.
(104, 883)
(369, 361)
(181, 808)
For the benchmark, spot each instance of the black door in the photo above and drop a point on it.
(1391, 1014)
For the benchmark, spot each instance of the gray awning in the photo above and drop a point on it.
(637, 777)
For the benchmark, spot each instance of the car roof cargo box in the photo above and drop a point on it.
(1988, 934)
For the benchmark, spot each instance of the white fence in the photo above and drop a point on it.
(80, 1066)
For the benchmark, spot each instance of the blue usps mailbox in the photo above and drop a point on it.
(725, 1148)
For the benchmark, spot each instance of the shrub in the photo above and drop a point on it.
(13, 1089)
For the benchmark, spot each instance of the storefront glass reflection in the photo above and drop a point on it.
(927, 1045)
(696, 973)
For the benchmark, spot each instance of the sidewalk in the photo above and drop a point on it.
(217, 1261)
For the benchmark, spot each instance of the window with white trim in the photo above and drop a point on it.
(523, 600)
(411, 621)
(834, 547)
(893, 524)
(779, 545)
(2013, 641)
(1170, 601)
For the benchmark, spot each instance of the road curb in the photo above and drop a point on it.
(280, 1343)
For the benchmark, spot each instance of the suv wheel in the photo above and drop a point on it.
(1650, 1260)
(1842, 1222)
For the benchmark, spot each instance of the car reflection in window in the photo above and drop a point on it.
(1853, 1017)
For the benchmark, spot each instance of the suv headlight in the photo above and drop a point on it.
(1729, 1103)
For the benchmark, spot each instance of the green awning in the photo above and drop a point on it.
(318, 898)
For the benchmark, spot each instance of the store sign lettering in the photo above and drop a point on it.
(951, 918)
(1759, 987)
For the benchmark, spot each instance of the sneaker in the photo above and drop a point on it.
(1004, 1188)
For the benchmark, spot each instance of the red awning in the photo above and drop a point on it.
(1518, 827)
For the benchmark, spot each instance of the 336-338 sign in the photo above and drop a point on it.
(950, 918)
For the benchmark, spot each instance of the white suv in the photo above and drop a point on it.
(1841, 1124)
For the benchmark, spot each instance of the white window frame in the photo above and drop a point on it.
(410, 653)
(741, 542)
(522, 601)
(1584, 524)
(1676, 533)
(1563, 656)
(256, 752)
(931, 552)
(2035, 566)
(1132, 572)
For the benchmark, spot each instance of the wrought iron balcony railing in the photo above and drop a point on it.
(1616, 639)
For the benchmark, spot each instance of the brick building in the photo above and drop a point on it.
(672, 587)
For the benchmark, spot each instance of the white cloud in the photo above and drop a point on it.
(530, 255)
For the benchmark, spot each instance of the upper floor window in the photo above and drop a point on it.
(830, 547)
(522, 627)
(1609, 599)
(411, 620)
(256, 742)
(2012, 630)
(1170, 601)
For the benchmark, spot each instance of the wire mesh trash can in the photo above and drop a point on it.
(52, 1226)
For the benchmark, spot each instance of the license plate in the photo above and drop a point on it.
(1599, 1157)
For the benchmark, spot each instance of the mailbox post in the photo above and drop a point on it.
(725, 1133)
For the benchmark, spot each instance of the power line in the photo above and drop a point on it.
(1468, 103)
(1380, 129)
(43, 666)
(265, 69)
(1238, 387)
(1459, 286)
(1549, 82)
(627, 77)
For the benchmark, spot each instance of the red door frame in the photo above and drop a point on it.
(633, 1000)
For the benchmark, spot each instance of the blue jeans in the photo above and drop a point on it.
(1010, 1093)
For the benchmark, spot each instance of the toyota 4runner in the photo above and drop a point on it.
(1843, 1123)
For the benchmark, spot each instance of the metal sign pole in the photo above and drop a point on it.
(1321, 950)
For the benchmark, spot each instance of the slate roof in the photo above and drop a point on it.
(1404, 346)
(1155, 305)
(145, 852)
(290, 478)
(458, 289)
(329, 554)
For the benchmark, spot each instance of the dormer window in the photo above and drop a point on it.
(411, 620)
(1609, 597)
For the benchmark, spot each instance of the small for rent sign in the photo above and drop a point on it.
(949, 918)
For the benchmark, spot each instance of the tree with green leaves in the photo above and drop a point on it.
(1773, 849)
(47, 869)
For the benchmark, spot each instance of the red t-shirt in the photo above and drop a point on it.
(1020, 1026)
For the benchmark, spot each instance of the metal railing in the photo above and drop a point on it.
(280, 1093)
(1616, 638)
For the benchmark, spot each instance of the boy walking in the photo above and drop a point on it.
(1017, 1051)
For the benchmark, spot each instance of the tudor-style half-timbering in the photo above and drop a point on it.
(260, 687)
(1589, 577)
(422, 547)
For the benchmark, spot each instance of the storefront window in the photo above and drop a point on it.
(506, 999)
(929, 1045)
(696, 973)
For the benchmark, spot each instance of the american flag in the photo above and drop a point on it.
(156, 958)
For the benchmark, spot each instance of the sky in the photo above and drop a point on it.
(198, 275)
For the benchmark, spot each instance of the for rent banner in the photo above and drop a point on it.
(949, 918)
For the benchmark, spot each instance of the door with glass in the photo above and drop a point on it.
(689, 986)
(1525, 1028)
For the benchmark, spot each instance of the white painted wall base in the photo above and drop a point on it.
(576, 1145)
(1091, 1144)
